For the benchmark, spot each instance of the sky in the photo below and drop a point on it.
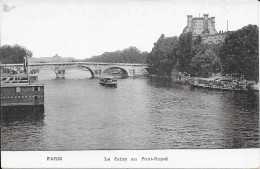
(86, 28)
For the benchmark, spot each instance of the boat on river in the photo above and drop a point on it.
(221, 83)
(108, 81)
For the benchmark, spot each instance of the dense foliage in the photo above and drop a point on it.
(239, 53)
(13, 54)
(161, 58)
(205, 61)
(183, 55)
(129, 55)
(184, 52)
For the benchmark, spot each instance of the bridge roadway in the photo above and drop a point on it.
(96, 69)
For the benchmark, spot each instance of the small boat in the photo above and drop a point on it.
(108, 81)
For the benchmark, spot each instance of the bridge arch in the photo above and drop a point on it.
(90, 70)
(56, 69)
(145, 70)
(124, 71)
(42, 74)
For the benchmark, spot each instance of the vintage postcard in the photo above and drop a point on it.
(129, 83)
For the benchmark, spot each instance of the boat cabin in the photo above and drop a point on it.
(108, 81)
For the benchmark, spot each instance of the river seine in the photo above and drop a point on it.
(140, 113)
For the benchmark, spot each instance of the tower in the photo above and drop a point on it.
(189, 20)
(213, 21)
(205, 24)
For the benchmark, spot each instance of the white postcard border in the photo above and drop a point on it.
(178, 158)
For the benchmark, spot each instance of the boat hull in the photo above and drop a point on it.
(22, 95)
(216, 87)
(108, 84)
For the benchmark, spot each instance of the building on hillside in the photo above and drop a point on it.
(54, 59)
(205, 27)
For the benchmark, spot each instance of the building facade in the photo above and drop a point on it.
(55, 59)
(205, 27)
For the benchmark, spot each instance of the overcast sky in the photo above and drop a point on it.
(84, 28)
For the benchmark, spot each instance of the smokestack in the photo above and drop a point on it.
(25, 65)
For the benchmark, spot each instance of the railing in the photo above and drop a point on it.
(75, 63)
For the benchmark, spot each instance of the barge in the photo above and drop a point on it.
(221, 83)
(21, 90)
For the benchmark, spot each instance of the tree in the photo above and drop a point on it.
(239, 53)
(13, 54)
(161, 58)
(129, 55)
(205, 62)
(197, 40)
(184, 52)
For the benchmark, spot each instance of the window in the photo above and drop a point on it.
(18, 89)
(35, 88)
(35, 98)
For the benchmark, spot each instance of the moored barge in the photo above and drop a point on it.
(21, 90)
(221, 83)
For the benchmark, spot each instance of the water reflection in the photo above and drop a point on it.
(242, 119)
(22, 128)
(22, 114)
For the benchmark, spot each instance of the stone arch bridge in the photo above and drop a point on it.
(96, 69)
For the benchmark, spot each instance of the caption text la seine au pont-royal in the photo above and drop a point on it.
(160, 159)
(136, 159)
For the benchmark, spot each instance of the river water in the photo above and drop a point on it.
(140, 113)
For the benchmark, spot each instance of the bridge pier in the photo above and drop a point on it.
(131, 72)
(98, 72)
(60, 73)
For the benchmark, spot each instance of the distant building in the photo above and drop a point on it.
(205, 27)
(54, 59)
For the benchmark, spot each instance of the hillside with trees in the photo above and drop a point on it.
(13, 54)
(129, 55)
